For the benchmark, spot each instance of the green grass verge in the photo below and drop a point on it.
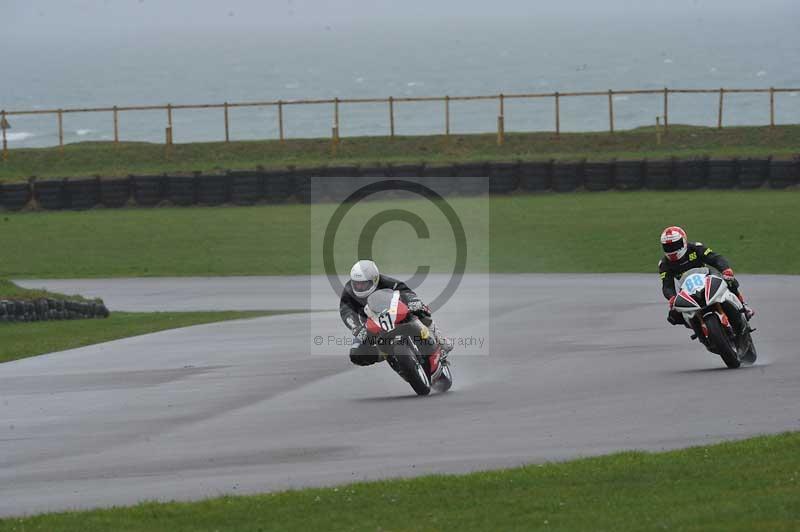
(9, 290)
(21, 340)
(106, 159)
(747, 485)
(581, 232)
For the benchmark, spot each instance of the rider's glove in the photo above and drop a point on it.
(728, 275)
(419, 308)
(671, 302)
(360, 333)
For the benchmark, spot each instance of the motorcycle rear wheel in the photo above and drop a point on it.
(723, 344)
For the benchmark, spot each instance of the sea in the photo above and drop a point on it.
(432, 58)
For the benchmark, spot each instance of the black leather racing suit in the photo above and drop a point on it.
(351, 308)
(697, 256)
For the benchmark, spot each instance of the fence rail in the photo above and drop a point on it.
(391, 102)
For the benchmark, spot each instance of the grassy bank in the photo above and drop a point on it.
(747, 485)
(21, 340)
(582, 232)
(9, 290)
(106, 159)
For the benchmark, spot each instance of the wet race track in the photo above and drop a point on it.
(578, 365)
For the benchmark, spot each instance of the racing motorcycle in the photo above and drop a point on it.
(717, 317)
(406, 343)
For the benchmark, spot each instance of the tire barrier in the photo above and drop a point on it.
(691, 174)
(148, 191)
(51, 194)
(599, 176)
(14, 196)
(503, 178)
(246, 188)
(784, 174)
(181, 189)
(213, 189)
(660, 174)
(46, 309)
(115, 192)
(82, 194)
(722, 174)
(567, 176)
(443, 178)
(630, 175)
(753, 173)
(536, 176)
(279, 186)
(471, 179)
(294, 185)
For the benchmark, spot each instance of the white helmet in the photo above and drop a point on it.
(364, 276)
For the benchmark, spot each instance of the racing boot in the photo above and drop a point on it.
(444, 342)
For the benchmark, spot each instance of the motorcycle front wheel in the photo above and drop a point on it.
(411, 370)
(723, 344)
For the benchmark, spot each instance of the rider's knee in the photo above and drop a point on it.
(364, 355)
(675, 318)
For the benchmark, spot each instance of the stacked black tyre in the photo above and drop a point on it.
(46, 309)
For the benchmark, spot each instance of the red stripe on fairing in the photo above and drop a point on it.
(373, 327)
(402, 312)
(688, 298)
(708, 289)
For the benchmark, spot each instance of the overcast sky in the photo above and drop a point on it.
(38, 19)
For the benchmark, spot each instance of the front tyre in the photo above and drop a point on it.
(411, 370)
(723, 344)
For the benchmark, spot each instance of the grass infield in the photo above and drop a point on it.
(21, 340)
(107, 160)
(746, 485)
(576, 232)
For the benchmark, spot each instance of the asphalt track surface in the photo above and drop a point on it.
(579, 365)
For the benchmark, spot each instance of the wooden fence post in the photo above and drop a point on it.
(447, 116)
(391, 116)
(336, 117)
(719, 115)
(227, 128)
(558, 117)
(280, 121)
(169, 124)
(666, 109)
(610, 111)
(116, 125)
(501, 118)
(772, 107)
(3, 126)
(61, 131)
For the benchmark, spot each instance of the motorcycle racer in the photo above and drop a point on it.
(365, 278)
(680, 256)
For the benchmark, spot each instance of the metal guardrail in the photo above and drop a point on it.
(391, 102)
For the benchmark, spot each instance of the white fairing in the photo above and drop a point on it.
(691, 285)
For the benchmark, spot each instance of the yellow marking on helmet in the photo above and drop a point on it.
(707, 251)
(693, 256)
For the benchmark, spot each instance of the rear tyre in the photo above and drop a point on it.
(723, 344)
(749, 349)
(411, 370)
(445, 380)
